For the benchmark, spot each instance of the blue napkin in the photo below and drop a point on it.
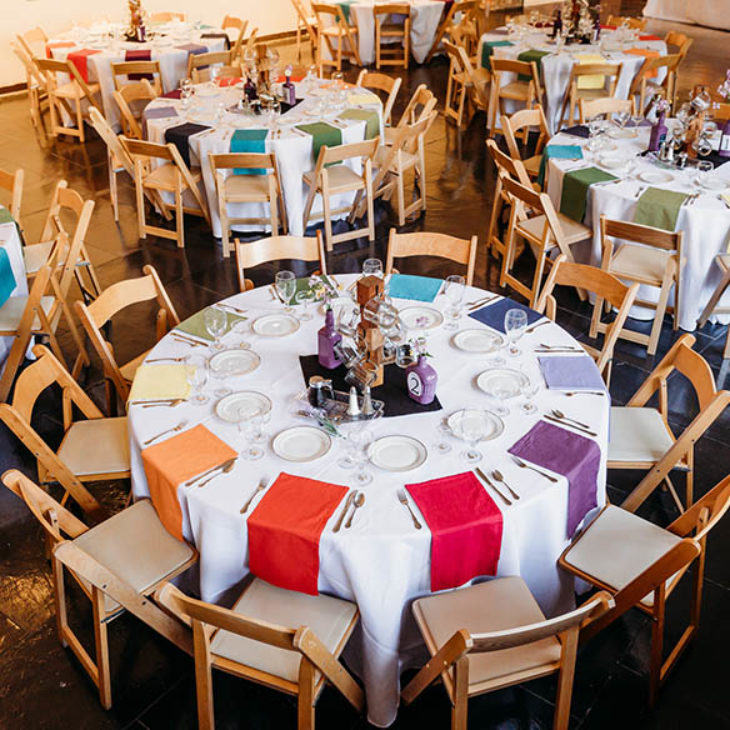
(7, 280)
(558, 152)
(571, 373)
(418, 288)
(493, 314)
(251, 141)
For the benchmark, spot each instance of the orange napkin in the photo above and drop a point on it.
(171, 462)
(647, 54)
(57, 44)
(228, 81)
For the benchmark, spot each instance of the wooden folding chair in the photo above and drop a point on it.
(419, 107)
(260, 185)
(629, 22)
(118, 564)
(331, 177)
(723, 262)
(392, 39)
(277, 248)
(124, 71)
(466, 32)
(333, 28)
(608, 72)
(131, 99)
(529, 92)
(644, 88)
(306, 23)
(38, 101)
(33, 41)
(110, 302)
(604, 108)
(524, 121)
(680, 41)
(600, 283)
(441, 245)
(12, 182)
(68, 96)
(466, 86)
(171, 175)
(493, 635)
(200, 62)
(650, 256)
(232, 21)
(166, 17)
(641, 564)
(641, 438)
(270, 636)
(389, 85)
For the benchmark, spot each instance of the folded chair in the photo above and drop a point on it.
(466, 87)
(373, 80)
(306, 23)
(36, 86)
(392, 39)
(419, 107)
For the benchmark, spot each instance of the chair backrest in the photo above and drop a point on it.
(199, 61)
(419, 107)
(34, 77)
(231, 21)
(33, 41)
(245, 160)
(277, 248)
(522, 121)
(123, 70)
(522, 68)
(381, 11)
(13, 183)
(364, 150)
(609, 71)
(648, 70)
(116, 150)
(705, 513)
(125, 97)
(680, 41)
(645, 235)
(381, 82)
(460, 250)
(67, 203)
(166, 17)
(589, 108)
(50, 67)
(629, 22)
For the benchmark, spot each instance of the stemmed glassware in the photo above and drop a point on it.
(247, 425)
(286, 284)
(364, 439)
(515, 324)
(216, 325)
(472, 427)
(304, 298)
(243, 328)
(622, 118)
(197, 375)
(372, 267)
(186, 92)
(704, 168)
(454, 289)
(529, 388)
(443, 431)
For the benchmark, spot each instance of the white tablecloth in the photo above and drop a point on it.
(711, 13)
(293, 151)
(556, 68)
(10, 241)
(382, 562)
(706, 223)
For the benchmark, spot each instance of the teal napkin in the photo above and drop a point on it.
(659, 208)
(532, 55)
(7, 280)
(418, 288)
(251, 141)
(575, 190)
(487, 50)
(558, 152)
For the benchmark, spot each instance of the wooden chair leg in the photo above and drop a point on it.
(101, 644)
(305, 703)
(657, 645)
(565, 680)
(661, 309)
(179, 219)
(596, 317)
(461, 694)
(113, 191)
(139, 191)
(203, 678)
(326, 210)
(59, 596)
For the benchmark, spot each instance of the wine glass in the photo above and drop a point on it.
(372, 267)
(515, 324)
(350, 444)
(186, 92)
(216, 325)
(622, 118)
(305, 298)
(246, 430)
(529, 389)
(472, 427)
(365, 439)
(443, 431)
(636, 119)
(243, 329)
(704, 168)
(286, 284)
(197, 376)
(454, 289)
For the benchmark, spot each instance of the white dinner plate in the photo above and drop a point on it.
(301, 443)
(713, 184)
(275, 325)
(397, 453)
(250, 402)
(496, 424)
(611, 162)
(656, 176)
(501, 382)
(234, 362)
(475, 340)
(420, 317)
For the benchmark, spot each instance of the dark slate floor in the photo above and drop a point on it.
(42, 685)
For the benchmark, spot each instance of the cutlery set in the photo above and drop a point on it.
(355, 500)
(223, 468)
(478, 303)
(188, 340)
(486, 480)
(174, 429)
(565, 421)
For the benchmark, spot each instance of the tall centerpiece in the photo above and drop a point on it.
(724, 91)
(137, 31)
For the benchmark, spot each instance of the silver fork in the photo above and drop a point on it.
(404, 501)
(180, 426)
(260, 488)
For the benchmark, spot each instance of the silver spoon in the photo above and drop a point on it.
(524, 465)
(563, 417)
(358, 502)
(180, 426)
(497, 476)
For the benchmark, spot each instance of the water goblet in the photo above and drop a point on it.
(197, 376)
(472, 427)
(515, 324)
(246, 430)
(443, 431)
(350, 444)
(529, 389)
(243, 329)
(704, 168)
(305, 298)
(216, 324)
(372, 267)
(286, 284)
(363, 475)
(454, 289)
(186, 92)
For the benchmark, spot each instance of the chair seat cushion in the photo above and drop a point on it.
(247, 185)
(96, 446)
(36, 255)
(642, 263)
(638, 435)
(499, 604)
(331, 619)
(72, 90)
(12, 312)
(572, 230)
(519, 90)
(340, 176)
(618, 546)
(164, 177)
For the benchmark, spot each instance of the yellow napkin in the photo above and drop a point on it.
(590, 82)
(160, 381)
(362, 99)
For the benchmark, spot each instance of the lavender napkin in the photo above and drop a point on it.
(158, 112)
(195, 48)
(579, 130)
(493, 314)
(576, 457)
(571, 373)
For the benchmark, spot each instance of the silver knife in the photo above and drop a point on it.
(570, 425)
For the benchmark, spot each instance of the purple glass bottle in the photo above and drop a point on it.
(724, 150)
(658, 134)
(328, 337)
(421, 381)
(290, 90)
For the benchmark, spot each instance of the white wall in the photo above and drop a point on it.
(270, 16)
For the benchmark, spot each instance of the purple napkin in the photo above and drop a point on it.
(158, 112)
(642, 123)
(139, 55)
(180, 137)
(579, 130)
(571, 373)
(195, 48)
(493, 314)
(576, 457)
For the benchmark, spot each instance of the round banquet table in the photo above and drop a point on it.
(382, 562)
(292, 147)
(556, 67)
(705, 222)
(165, 49)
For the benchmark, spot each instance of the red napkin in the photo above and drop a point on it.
(175, 460)
(139, 54)
(295, 79)
(57, 44)
(228, 81)
(79, 59)
(174, 94)
(466, 528)
(650, 38)
(284, 531)
(608, 27)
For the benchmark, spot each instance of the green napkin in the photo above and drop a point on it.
(323, 134)
(558, 152)
(304, 284)
(659, 208)
(195, 325)
(251, 141)
(371, 119)
(5, 216)
(487, 49)
(345, 8)
(575, 190)
(532, 55)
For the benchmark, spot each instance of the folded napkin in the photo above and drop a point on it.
(180, 137)
(195, 48)
(532, 55)
(174, 94)
(226, 81)
(575, 457)
(152, 382)
(418, 288)
(156, 112)
(7, 278)
(57, 44)
(566, 372)
(323, 134)
(170, 463)
(285, 528)
(140, 54)
(591, 82)
(493, 314)
(659, 208)
(195, 325)
(362, 99)
(579, 130)
(557, 152)
(575, 190)
(251, 141)
(646, 54)
(650, 38)
(371, 119)
(344, 6)
(79, 59)
(223, 36)
(487, 50)
(466, 528)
